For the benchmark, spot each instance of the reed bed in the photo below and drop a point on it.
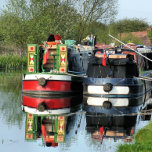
(12, 62)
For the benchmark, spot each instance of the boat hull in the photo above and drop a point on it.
(118, 92)
(51, 84)
(118, 87)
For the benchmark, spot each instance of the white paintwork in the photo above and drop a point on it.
(144, 50)
(47, 77)
(36, 111)
(116, 102)
(115, 90)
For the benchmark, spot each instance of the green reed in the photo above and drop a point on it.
(12, 62)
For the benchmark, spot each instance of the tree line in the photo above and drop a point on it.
(31, 21)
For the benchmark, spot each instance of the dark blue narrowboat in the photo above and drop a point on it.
(118, 73)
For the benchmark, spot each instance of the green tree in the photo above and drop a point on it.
(130, 25)
(129, 38)
(31, 21)
(101, 31)
(13, 29)
(93, 11)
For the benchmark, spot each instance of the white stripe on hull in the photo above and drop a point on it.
(46, 112)
(47, 77)
(116, 102)
(115, 90)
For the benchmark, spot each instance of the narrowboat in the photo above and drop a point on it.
(118, 73)
(55, 68)
(52, 129)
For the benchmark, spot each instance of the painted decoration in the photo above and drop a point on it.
(29, 127)
(62, 58)
(32, 57)
(57, 123)
(61, 125)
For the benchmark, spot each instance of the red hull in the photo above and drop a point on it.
(52, 86)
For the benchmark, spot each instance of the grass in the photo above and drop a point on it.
(12, 62)
(143, 141)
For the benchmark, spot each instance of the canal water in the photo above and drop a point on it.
(86, 128)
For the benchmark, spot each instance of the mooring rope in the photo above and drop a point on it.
(70, 74)
(144, 78)
(140, 77)
(81, 76)
(130, 48)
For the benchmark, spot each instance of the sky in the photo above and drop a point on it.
(141, 9)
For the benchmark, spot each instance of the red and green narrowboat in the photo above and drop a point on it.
(50, 128)
(49, 69)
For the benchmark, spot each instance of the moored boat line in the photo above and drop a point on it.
(114, 74)
(69, 69)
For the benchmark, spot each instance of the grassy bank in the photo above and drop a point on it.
(143, 141)
(12, 62)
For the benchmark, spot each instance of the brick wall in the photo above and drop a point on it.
(143, 35)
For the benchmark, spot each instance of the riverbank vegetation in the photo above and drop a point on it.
(31, 21)
(142, 141)
(12, 62)
(11, 97)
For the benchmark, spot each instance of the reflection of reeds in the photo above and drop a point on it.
(12, 62)
(11, 97)
(11, 82)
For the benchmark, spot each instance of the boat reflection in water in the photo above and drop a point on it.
(52, 124)
(105, 122)
(109, 126)
(55, 124)
(50, 105)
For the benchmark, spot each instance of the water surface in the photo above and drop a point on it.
(83, 127)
